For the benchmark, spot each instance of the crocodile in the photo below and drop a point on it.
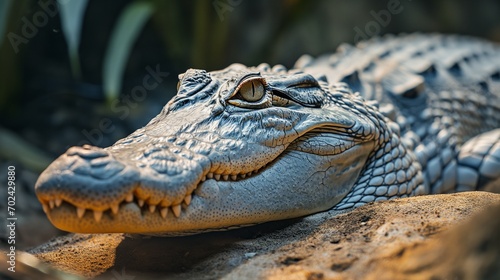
(391, 117)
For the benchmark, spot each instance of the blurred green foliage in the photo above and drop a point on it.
(9, 66)
(103, 37)
(193, 33)
(72, 12)
(61, 60)
(125, 32)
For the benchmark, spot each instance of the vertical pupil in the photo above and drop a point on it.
(252, 91)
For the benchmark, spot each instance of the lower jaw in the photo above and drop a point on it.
(133, 219)
(130, 219)
(139, 220)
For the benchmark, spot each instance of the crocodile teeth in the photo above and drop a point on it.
(227, 177)
(45, 208)
(97, 215)
(58, 202)
(164, 212)
(129, 197)
(80, 212)
(114, 209)
(152, 208)
(177, 210)
(187, 200)
(140, 202)
(51, 203)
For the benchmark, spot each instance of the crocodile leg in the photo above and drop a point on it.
(479, 161)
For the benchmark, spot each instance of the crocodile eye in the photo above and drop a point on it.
(178, 85)
(251, 94)
(252, 91)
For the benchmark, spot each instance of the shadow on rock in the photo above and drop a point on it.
(112, 255)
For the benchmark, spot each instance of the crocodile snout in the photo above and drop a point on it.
(94, 184)
(84, 172)
(93, 161)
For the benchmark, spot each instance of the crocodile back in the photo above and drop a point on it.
(442, 90)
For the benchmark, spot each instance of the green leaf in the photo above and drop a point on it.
(72, 12)
(123, 37)
(13, 147)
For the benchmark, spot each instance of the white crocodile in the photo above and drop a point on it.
(392, 117)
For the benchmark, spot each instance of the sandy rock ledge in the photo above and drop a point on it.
(452, 236)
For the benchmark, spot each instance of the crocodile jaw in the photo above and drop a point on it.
(225, 204)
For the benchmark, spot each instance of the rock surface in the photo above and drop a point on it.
(429, 237)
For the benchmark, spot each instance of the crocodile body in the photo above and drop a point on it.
(392, 117)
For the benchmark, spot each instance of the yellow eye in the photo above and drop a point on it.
(252, 91)
(178, 85)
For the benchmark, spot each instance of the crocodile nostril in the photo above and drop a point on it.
(87, 152)
(92, 161)
(100, 161)
(101, 168)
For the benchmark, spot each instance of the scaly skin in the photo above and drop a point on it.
(245, 145)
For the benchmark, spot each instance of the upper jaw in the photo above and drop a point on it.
(78, 217)
(96, 179)
(103, 182)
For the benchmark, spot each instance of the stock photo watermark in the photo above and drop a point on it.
(223, 6)
(30, 26)
(381, 18)
(124, 105)
(11, 219)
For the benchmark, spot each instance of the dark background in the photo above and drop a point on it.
(42, 102)
(44, 109)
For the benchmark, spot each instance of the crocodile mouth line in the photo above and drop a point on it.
(163, 208)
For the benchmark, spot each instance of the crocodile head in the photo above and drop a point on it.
(234, 147)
